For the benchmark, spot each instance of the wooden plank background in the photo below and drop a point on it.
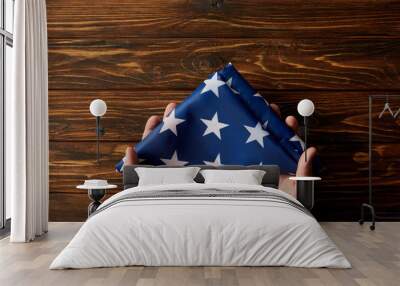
(139, 55)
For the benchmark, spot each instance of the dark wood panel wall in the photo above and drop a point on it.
(139, 55)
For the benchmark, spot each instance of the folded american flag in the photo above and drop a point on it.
(223, 122)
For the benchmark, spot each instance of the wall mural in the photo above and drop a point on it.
(140, 55)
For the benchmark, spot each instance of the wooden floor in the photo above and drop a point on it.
(375, 257)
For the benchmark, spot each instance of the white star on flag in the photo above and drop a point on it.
(215, 163)
(257, 133)
(229, 83)
(174, 161)
(262, 97)
(296, 138)
(214, 126)
(170, 122)
(213, 84)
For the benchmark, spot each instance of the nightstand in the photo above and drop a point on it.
(96, 191)
(305, 190)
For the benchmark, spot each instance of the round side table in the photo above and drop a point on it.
(95, 193)
(305, 190)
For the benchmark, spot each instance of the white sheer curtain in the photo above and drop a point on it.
(27, 157)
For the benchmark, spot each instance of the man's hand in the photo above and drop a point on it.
(152, 122)
(303, 168)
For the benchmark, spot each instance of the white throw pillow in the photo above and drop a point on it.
(248, 177)
(166, 176)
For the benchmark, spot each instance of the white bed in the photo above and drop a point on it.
(269, 229)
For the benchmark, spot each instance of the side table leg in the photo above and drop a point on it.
(92, 207)
(305, 193)
(95, 196)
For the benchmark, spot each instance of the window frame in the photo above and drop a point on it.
(6, 39)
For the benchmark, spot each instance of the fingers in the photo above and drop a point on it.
(171, 106)
(154, 120)
(151, 123)
(276, 109)
(130, 157)
(292, 122)
(304, 168)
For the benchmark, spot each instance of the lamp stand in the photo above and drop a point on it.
(99, 132)
(305, 137)
(98, 139)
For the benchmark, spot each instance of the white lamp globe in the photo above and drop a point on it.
(305, 107)
(98, 107)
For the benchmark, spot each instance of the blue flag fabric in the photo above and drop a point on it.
(223, 122)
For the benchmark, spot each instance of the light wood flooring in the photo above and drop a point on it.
(375, 257)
